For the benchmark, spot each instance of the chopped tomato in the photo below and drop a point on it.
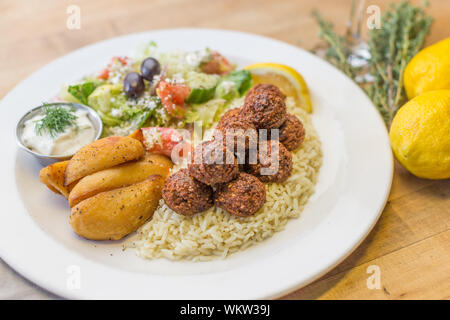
(172, 97)
(164, 141)
(122, 60)
(217, 65)
(104, 74)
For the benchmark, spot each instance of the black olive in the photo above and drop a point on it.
(133, 85)
(149, 68)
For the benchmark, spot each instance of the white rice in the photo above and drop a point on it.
(215, 233)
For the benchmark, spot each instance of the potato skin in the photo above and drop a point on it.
(137, 135)
(102, 154)
(53, 177)
(111, 215)
(120, 176)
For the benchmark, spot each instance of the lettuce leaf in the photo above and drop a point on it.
(205, 113)
(82, 91)
(234, 85)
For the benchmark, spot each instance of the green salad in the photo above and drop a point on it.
(160, 89)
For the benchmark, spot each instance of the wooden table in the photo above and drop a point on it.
(411, 242)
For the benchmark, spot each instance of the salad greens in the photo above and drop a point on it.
(206, 113)
(230, 87)
(102, 98)
(189, 85)
(234, 85)
(203, 86)
(82, 91)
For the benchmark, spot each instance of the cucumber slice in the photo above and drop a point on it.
(202, 86)
(200, 95)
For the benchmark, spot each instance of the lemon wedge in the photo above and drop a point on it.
(290, 82)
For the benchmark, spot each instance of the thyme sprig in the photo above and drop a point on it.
(404, 28)
(56, 119)
(337, 49)
(403, 33)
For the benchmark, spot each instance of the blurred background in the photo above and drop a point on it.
(411, 241)
(34, 32)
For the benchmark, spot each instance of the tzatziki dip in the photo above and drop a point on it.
(58, 131)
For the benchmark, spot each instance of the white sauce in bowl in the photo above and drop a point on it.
(65, 143)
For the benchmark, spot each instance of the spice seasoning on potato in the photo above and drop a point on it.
(120, 176)
(53, 177)
(102, 154)
(111, 215)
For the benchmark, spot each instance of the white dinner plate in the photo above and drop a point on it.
(353, 186)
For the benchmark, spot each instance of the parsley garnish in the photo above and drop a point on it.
(56, 119)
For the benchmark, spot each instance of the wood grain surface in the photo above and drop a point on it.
(411, 242)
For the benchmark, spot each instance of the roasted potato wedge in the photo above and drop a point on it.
(137, 135)
(111, 215)
(53, 177)
(102, 154)
(120, 176)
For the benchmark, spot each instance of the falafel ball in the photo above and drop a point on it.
(237, 132)
(228, 117)
(264, 87)
(185, 195)
(292, 132)
(211, 163)
(265, 106)
(242, 197)
(267, 171)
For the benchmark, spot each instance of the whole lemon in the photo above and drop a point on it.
(420, 135)
(428, 70)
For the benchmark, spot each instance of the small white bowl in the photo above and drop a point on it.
(45, 160)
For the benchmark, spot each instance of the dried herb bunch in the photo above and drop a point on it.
(404, 28)
(337, 50)
(402, 35)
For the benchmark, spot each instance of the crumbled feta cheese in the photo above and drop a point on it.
(156, 78)
(152, 136)
(151, 105)
(119, 131)
(227, 85)
(195, 58)
(116, 113)
(177, 78)
(176, 138)
(118, 71)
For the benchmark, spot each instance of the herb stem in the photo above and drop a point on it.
(56, 119)
(404, 28)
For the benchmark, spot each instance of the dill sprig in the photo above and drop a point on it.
(56, 119)
(404, 28)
